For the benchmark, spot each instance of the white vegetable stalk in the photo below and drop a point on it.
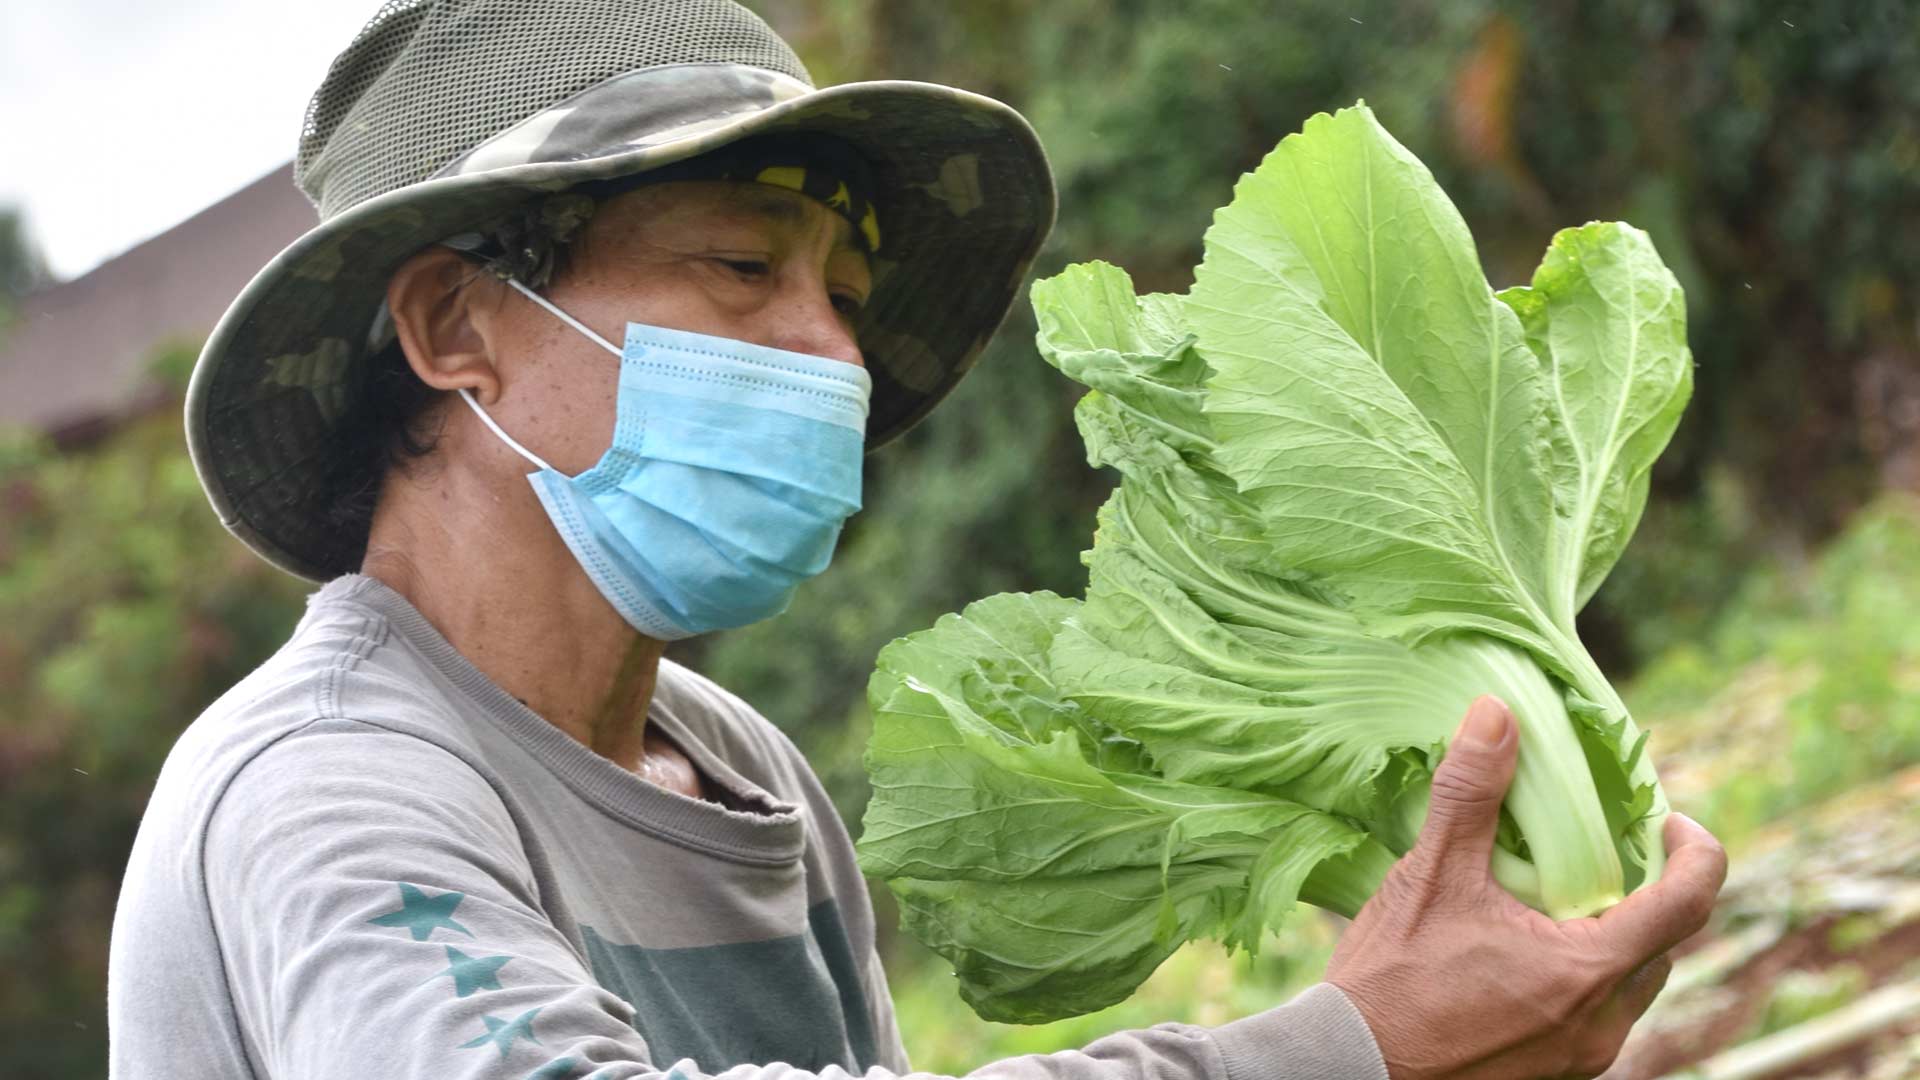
(1575, 870)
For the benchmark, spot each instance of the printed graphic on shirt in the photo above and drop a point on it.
(422, 914)
(823, 919)
(503, 1033)
(471, 973)
(796, 999)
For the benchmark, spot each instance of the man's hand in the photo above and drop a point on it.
(1457, 979)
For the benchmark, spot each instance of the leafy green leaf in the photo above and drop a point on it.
(991, 818)
(1608, 323)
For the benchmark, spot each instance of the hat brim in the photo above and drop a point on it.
(962, 188)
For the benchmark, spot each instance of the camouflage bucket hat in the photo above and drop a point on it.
(445, 115)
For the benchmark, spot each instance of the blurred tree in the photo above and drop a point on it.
(1778, 149)
(23, 269)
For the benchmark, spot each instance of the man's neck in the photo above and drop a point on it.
(529, 618)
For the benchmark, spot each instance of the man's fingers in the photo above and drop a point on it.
(1636, 992)
(1606, 1034)
(1682, 831)
(1669, 911)
(1464, 813)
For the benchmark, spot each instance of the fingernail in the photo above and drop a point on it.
(1486, 722)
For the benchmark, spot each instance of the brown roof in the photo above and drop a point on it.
(76, 354)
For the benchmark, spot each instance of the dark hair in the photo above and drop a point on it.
(383, 428)
(393, 419)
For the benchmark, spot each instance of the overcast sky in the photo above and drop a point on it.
(123, 117)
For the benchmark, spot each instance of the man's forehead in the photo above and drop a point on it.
(742, 198)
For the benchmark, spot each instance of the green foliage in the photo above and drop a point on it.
(128, 609)
(1783, 146)
(1808, 685)
(1206, 89)
(1853, 623)
(171, 365)
(1799, 996)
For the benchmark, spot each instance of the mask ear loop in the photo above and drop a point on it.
(467, 395)
(570, 320)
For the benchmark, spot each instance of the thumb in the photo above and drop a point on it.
(1464, 813)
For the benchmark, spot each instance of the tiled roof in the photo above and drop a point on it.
(75, 356)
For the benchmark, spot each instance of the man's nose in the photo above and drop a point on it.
(809, 323)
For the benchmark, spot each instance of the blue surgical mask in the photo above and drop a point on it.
(732, 468)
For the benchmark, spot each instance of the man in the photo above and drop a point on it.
(468, 821)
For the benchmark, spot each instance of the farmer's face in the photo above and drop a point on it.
(738, 260)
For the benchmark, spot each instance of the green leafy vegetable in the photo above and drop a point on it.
(1359, 489)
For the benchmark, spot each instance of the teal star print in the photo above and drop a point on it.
(472, 973)
(502, 1033)
(421, 913)
(559, 1070)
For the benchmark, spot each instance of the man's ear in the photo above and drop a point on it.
(441, 305)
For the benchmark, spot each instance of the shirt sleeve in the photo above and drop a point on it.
(378, 916)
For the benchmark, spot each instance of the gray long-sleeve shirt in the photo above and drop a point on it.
(367, 860)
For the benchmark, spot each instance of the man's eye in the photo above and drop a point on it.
(847, 305)
(747, 267)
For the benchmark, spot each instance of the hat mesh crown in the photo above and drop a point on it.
(427, 80)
